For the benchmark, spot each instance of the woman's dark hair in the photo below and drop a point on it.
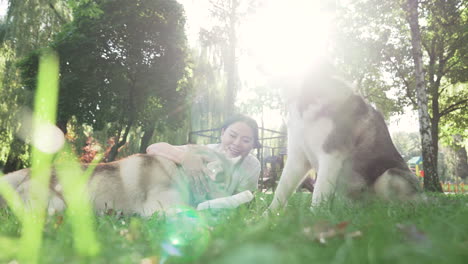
(248, 121)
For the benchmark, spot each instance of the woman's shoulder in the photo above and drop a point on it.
(251, 161)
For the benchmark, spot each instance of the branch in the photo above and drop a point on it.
(60, 17)
(444, 88)
(218, 8)
(456, 106)
(402, 77)
(450, 67)
(450, 54)
(398, 69)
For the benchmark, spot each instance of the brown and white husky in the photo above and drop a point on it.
(335, 131)
(140, 184)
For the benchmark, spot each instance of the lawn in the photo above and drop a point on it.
(372, 232)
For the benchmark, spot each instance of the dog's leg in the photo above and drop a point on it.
(294, 172)
(331, 166)
(164, 199)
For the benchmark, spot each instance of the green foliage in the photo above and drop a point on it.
(208, 92)
(28, 25)
(375, 48)
(372, 38)
(124, 66)
(455, 122)
(113, 65)
(408, 144)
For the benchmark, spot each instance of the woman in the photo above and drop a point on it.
(239, 135)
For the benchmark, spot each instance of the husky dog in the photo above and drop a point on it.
(140, 184)
(332, 129)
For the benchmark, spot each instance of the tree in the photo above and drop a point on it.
(122, 68)
(208, 89)
(223, 38)
(431, 180)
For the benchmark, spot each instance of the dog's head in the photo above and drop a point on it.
(320, 84)
(323, 84)
(219, 172)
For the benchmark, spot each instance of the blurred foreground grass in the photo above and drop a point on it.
(374, 232)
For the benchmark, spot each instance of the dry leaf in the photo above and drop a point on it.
(412, 232)
(354, 234)
(322, 231)
(130, 236)
(150, 260)
(58, 221)
(123, 232)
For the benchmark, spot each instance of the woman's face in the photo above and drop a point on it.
(237, 139)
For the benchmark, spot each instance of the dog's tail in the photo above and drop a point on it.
(398, 184)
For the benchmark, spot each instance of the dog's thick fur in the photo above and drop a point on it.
(140, 184)
(332, 129)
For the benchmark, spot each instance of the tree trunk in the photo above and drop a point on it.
(121, 140)
(231, 62)
(145, 139)
(62, 125)
(13, 162)
(431, 179)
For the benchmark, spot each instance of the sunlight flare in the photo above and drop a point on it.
(287, 36)
(48, 138)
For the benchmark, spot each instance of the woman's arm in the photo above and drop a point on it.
(232, 201)
(174, 153)
(193, 164)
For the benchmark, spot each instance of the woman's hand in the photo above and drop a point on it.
(195, 168)
(193, 164)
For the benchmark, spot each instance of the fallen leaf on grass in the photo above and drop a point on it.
(130, 236)
(58, 221)
(412, 232)
(133, 232)
(150, 260)
(354, 234)
(112, 212)
(324, 231)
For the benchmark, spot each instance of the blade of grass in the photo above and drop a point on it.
(45, 111)
(12, 199)
(79, 210)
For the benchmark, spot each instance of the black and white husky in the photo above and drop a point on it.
(334, 130)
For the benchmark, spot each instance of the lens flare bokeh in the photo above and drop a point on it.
(186, 235)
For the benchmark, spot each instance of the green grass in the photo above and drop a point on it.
(435, 232)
